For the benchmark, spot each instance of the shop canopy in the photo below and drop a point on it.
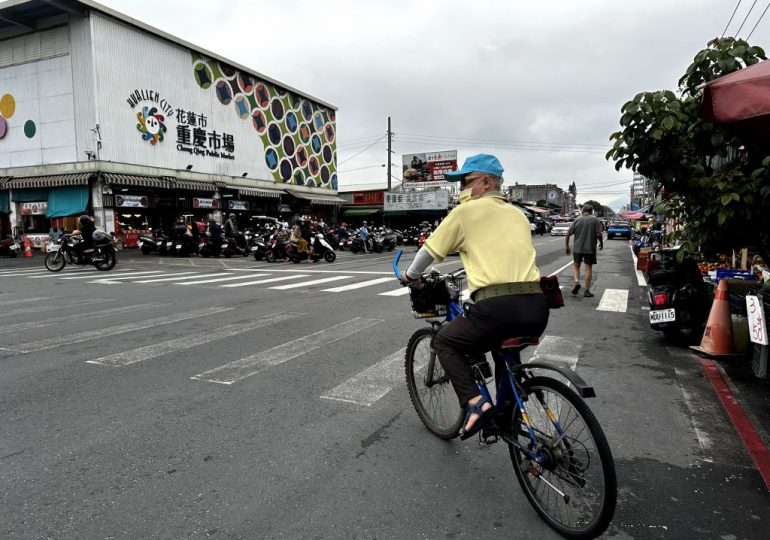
(360, 211)
(38, 182)
(317, 198)
(539, 211)
(740, 99)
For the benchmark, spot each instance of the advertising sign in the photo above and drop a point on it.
(131, 201)
(756, 313)
(421, 200)
(204, 203)
(368, 197)
(427, 169)
(237, 205)
(34, 208)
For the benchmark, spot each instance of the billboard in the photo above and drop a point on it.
(421, 200)
(427, 169)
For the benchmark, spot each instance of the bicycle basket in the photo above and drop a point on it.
(429, 299)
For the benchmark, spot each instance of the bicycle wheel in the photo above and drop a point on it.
(578, 463)
(429, 388)
(55, 261)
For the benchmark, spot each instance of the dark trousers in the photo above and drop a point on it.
(464, 341)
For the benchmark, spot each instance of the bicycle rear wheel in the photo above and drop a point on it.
(429, 388)
(578, 463)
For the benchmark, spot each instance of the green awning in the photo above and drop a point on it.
(67, 201)
(359, 211)
(5, 206)
(395, 213)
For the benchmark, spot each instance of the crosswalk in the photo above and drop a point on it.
(326, 281)
(376, 373)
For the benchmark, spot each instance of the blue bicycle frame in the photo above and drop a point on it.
(508, 387)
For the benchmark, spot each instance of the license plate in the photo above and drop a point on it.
(254, 248)
(662, 315)
(179, 246)
(140, 244)
(53, 247)
(169, 244)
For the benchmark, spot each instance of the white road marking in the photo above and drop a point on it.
(81, 316)
(306, 283)
(118, 275)
(398, 292)
(614, 300)
(69, 304)
(27, 273)
(269, 280)
(565, 350)
(560, 270)
(245, 367)
(133, 356)
(639, 275)
(25, 300)
(360, 284)
(178, 276)
(231, 278)
(22, 271)
(704, 440)
(43, 344)
(372, 384)
(271, 267)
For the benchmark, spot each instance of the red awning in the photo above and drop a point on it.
(741, 98)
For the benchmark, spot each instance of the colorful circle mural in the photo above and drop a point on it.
(7, 105)
(7, 110)
(30, 129)
(298, 134)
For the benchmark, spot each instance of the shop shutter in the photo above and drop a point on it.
(26, 48)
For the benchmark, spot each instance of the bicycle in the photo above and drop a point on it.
(558, 450)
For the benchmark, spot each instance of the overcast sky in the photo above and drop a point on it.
(539, 83)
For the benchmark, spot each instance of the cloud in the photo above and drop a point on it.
(471, 77)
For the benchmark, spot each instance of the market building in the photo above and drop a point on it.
(105, 115)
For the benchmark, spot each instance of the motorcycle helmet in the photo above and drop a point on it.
(84, 218)
(363, 223)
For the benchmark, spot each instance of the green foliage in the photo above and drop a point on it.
(721, 199)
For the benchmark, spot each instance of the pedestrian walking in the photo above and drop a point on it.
(587, 230)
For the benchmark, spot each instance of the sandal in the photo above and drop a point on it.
(588, 294)
(484, 417)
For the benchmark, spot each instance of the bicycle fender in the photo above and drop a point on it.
(584, 390)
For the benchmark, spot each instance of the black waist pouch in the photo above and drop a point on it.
(550, 286)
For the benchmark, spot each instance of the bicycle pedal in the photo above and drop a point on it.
(489, 434)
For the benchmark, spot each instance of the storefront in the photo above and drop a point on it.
(363, 206)
(174, 129)
(403, 209)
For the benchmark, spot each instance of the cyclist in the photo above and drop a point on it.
(495, 246)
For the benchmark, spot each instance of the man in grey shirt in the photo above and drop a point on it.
(587, 230)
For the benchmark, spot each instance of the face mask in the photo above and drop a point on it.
(466, 195)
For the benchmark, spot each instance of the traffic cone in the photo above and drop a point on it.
(27, 247)
(718, 337)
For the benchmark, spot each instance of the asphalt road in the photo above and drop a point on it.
(271, 403)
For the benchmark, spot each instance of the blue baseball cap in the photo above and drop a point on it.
(480, 163)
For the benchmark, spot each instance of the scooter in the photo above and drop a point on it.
(9, 247)
(678, 297)
(321, 250)
(156, 243)
(258, 246)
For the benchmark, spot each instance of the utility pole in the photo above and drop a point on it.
(390, 137)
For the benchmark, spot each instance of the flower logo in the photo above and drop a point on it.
(151, 125)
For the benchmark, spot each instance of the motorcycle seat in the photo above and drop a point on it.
(519, 342)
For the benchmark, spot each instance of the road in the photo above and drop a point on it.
(176, 398)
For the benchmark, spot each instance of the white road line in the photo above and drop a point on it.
(21, 271)
(80, 317)
(41, 345)
(25, 300)
(179, 275)
(260, 281)
(560, 270)
(704, 440)
(67, 305)
(245, 367)
(372, 384)
(27, 273)
(360, 284)
(117, 275)
(231, 278)
(306, 283)
(639, 275)
(565, 350)
(398, 292)
(133, 356)
(270, 267)
(614, 300)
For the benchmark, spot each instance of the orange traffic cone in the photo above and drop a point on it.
(27, 247)
(718, 337)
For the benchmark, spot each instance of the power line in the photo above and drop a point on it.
(356, 140)
(362, 168)
(362, 151)
(731, 19)
(758, 21)
(488, 141)
(510, 146)
(745, 18)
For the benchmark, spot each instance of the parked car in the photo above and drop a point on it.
(561, 228)
(619, 229)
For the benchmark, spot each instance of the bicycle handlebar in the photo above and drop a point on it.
(434, 273)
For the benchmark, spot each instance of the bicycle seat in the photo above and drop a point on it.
(519, 342)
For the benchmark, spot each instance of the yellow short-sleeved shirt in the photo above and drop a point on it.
(493, 238)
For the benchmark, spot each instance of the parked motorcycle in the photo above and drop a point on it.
(321, 250)
(103, 255)
(357, 244)
(679, 298)
(259, 245)
(158, 243)
(9, 247)
(276, 249)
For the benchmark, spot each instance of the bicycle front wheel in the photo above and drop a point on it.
(429, 388)
(573, 486)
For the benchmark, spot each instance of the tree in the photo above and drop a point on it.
(572, 189)
(721, 197)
